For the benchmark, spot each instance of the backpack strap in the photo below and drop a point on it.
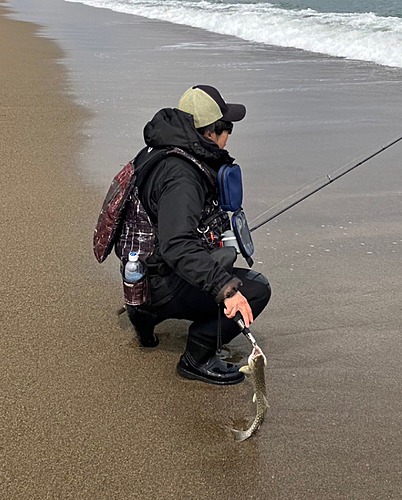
(157, 155)
(187, 156)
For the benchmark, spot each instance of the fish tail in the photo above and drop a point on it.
(240, 435)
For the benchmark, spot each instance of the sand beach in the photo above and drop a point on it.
(85, 413)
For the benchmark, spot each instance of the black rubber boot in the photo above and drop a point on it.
(199, 363)
(144, 323)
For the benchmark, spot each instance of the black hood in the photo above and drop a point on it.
(172, 127)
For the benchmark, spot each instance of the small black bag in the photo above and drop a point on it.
(243, 235)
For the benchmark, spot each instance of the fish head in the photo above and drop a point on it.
(256, 358)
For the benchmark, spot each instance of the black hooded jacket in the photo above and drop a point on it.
(174, 196)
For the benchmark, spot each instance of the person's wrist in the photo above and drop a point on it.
(228, 290)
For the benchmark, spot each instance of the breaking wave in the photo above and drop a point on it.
(362, 36)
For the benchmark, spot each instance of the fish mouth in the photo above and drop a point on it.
(256, 353)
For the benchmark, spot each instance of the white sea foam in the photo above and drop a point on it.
(363, 36)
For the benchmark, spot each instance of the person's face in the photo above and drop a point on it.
(220, 139)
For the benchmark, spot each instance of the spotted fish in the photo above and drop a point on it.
(256, 367)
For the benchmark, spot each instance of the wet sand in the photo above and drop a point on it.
(85, 412)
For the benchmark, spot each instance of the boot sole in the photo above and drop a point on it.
(193, 376)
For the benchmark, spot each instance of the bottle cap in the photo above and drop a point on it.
(133, 256)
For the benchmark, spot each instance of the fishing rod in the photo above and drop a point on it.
(330, 181)
(240, 321)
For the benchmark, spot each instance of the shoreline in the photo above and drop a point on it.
(288, 28)
(117, 63)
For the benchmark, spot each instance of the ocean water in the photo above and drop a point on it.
(366, 30)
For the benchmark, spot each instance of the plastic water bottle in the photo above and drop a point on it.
(134, 270)
(135, 282)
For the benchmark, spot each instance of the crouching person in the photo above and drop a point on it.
(190, 276)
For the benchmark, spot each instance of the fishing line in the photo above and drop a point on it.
(330, 179)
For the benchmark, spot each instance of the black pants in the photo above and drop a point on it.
(200, 308)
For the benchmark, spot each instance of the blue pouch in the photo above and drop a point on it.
(230, 188)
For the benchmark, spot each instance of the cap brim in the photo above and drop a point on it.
(235, 113)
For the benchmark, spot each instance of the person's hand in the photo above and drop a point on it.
(239, 303)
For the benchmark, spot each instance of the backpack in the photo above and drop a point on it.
(124, 187)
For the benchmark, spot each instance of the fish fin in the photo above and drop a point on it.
(245, 369)
(266, 401)
(254, 397)
(240, 435)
